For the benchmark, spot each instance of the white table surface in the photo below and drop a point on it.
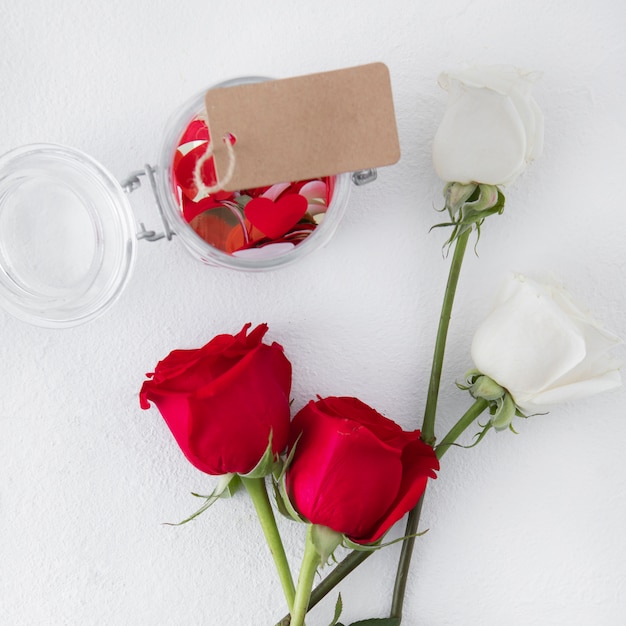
(525, 529)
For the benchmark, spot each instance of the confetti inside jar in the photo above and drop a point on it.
(251, 224)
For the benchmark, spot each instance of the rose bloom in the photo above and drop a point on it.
(492, 127)
(542, 348)
(354, 470)
(223, 401)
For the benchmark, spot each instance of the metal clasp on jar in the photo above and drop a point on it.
(133, 182)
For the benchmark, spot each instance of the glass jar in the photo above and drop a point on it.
(68, 235)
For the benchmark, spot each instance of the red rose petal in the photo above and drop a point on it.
(341, 475)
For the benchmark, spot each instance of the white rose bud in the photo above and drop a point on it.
(542, 348)
(492, 127)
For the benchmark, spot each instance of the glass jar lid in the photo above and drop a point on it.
(67, 236)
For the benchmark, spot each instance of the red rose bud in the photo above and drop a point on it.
(354, 470)
(225, 400)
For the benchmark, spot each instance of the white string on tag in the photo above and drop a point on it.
(229, 141)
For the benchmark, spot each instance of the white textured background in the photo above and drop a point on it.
(525, 529)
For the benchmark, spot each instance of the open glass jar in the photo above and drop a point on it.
(68, 235)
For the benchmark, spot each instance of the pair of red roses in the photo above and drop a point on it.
(352, 470)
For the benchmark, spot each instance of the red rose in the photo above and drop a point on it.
(222, 401)
(354, 470)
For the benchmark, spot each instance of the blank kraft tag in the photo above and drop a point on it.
(304, 127)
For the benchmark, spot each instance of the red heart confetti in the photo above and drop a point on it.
(276, 218)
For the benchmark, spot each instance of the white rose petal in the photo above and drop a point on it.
(543, 348)
(492, 127)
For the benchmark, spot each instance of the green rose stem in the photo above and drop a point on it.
(258, 492)
(404, 562)
(480, 405)
(428, 425)
(355, 558)
(341, 571)
(310, 562)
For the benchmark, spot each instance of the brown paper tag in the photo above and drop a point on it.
(305, 127)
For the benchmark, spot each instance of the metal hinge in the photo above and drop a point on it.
(132, 183)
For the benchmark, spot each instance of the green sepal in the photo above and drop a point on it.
(478, 436)
(456, 195)
(470, 377)
(283, 503)
(282, 470)
(481, 386)
(486, 388)
(233, 487)
(223, 489)
(325, 541)
(502, 407)
(469, 211)
(372, 547)
(270, 463)
(504, 412)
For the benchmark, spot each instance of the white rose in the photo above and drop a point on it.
(542, 348)
(492, 127)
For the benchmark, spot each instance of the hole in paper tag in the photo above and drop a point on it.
(304, 128)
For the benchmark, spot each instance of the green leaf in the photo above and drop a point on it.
(378, 621)
(338, 609)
